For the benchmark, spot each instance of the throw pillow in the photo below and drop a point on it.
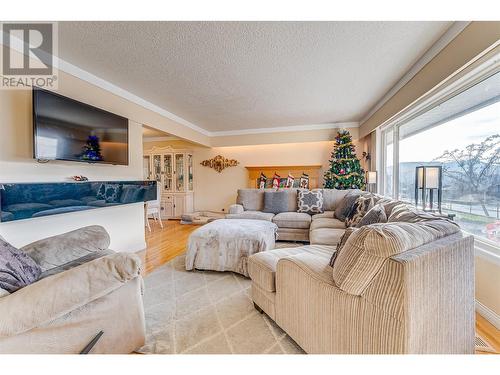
(359, 209)
(17, 269)
(375, 215)
(275, 202)
(345, 205)
(341, 244)
(310, 202)
(113, 192)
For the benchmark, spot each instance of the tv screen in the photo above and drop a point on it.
(65, 129)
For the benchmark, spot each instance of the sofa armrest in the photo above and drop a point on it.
(58, 250)
(236, 209)
(56, 296)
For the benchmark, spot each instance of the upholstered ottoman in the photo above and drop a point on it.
(226, 244)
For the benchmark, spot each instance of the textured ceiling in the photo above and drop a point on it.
(243, 75)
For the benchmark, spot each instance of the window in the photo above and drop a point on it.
(388, 139)
(462, 134)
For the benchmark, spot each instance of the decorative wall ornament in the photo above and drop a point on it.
(219, 163)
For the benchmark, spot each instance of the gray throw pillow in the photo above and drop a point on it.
(345, 205)
(17, 269)
(375, 215)
(310, 202)
(275, 202)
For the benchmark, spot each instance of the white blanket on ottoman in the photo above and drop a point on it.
(226, 244)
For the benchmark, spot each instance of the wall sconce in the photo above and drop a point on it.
(428, 178)
(371, 181)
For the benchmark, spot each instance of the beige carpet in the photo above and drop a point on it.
(205, 312)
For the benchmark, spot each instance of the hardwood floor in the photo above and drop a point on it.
(165, 244)
(489, 332)
(169, 242)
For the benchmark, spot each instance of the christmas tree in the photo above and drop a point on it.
(92, 149)
(345, 169)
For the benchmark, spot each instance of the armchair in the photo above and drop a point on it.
(84, 288)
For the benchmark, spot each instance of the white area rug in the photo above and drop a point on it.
(203, 312)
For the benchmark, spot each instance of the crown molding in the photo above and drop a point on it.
(285, 129)
(450, 34)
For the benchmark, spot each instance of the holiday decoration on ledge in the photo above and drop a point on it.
(289, 181)
(92, 149)
(79, 178)
(262, 181)
(304, 181)
(345, 170)
(219, 163)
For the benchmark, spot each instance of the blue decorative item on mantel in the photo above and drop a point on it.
(32, 200)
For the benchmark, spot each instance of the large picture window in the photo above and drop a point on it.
(462, 135)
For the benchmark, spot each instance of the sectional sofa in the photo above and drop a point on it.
(403, 285)
(321, 229)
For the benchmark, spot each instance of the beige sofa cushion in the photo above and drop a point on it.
(367, 249)
(251, 199)
(262, 266)
(254, 215)
(296, 220)
(293, 234)
(325, 236)
(327, 223)
(326, 214)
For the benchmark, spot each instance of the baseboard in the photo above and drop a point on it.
(488, 314)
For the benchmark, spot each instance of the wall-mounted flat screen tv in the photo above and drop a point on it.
(65, 129)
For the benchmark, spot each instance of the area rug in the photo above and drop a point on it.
(203, 312)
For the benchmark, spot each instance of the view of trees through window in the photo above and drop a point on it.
(468, 149)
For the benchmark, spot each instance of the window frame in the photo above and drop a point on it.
(481, 68)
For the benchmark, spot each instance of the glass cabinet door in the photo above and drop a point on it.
(190, 172)
(179, 172)
(146, 167)
(157, 168)
(167, 172)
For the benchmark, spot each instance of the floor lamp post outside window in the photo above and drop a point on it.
(429, 178)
